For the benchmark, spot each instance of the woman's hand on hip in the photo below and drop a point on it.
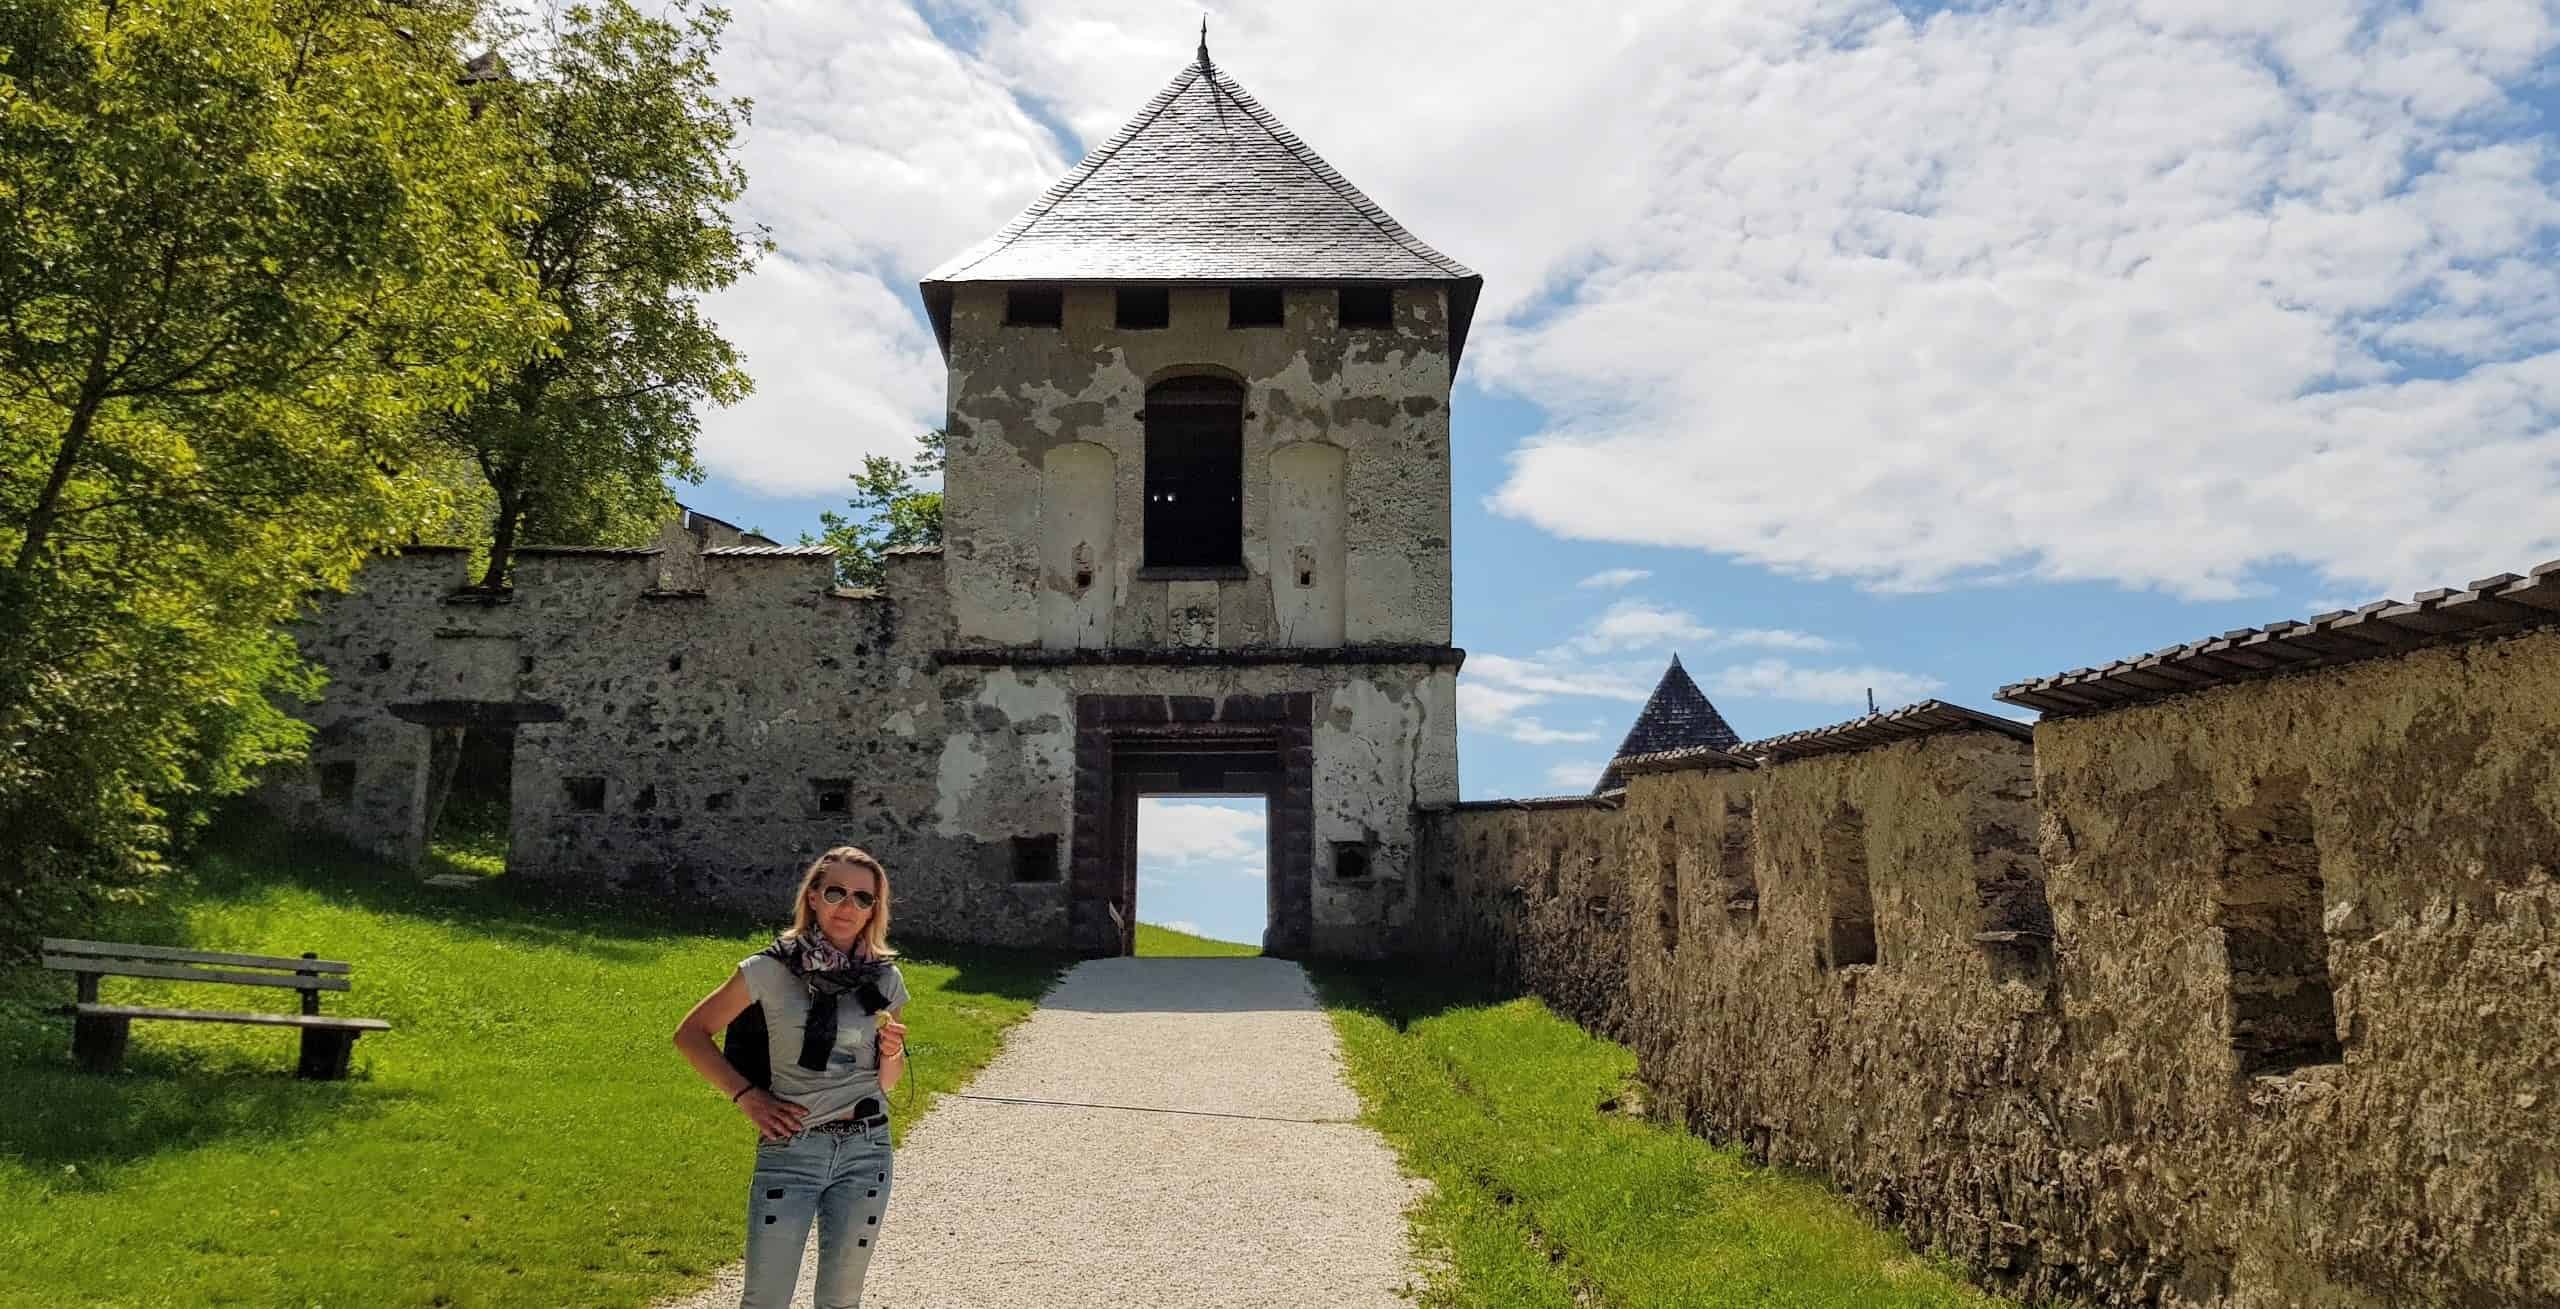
(775, 1119)
(893, 1036)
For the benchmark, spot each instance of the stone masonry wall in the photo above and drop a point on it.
(2294, 1040)
(701, 744)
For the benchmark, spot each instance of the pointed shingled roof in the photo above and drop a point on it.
(1203, 185)
(1678, 717)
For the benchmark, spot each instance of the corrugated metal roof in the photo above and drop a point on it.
(2490, 606)
(769, 552)
(1925, 718)
(1203, 185)
(604, 551)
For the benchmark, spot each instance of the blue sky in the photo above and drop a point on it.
(1829, 343)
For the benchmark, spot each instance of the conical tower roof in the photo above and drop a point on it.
(1203, 185)
(1677, 717)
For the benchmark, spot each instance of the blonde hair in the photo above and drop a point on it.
(875, 931)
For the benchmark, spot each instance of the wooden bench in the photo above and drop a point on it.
(98, 1030)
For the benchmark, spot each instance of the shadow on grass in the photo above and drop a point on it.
(1400, 992)
(61, 1119)
(245, 854)
(1010, 974)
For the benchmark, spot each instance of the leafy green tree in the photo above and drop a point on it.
(890, 508)
(632, 148)
(245, 245)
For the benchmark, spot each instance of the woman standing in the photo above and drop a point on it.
(831, 1001)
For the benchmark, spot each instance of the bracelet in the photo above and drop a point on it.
(733, 1098)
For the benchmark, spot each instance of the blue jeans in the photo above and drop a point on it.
(841, 1182)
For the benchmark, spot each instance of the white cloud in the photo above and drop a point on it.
(1186, 837)
(1574, 776)
(2094, 289)
(1184, 926)
(1778, 679)
(1635, 624)
(876, 151)
(1614, 579)
(1495, 690)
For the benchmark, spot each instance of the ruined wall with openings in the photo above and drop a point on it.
(2290, 1038)
(1345, 474)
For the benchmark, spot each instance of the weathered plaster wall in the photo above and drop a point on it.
(2083, 1120)
(1378, 395)
(1381, 744)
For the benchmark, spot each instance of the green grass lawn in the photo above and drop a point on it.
(1165, 943)
(1544, 1198)
(526, 1135)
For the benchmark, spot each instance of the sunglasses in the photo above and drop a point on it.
(836, 895)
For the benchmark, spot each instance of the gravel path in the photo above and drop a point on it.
(1164, 1133)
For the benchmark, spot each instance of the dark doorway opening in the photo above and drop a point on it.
(471, 794)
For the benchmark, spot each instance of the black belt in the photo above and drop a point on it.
(840, 1126)
(866, 1115)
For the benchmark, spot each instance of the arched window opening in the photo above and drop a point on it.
(1195, 474)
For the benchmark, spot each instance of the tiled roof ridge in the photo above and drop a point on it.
(1919, 718)
(1065, 186)
(2497, 605)
(767, 551)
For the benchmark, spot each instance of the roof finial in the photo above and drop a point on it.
(1204, 40)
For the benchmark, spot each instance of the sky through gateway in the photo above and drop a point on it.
(1200, 866)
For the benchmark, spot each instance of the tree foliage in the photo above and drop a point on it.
(628, 224)
(246, 246)
(890, 508)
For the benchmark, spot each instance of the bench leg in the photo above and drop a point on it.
(325, 1054)
(97, 1043)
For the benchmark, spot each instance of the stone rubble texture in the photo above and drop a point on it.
(2040, 1072)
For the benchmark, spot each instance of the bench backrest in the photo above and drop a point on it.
(108, 957)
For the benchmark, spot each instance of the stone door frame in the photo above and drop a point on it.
(1120, 736)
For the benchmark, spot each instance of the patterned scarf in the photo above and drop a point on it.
(828, 972)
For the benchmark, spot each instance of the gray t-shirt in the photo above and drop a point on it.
(853, 1067)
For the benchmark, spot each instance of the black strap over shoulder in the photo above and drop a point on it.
(746, 1047)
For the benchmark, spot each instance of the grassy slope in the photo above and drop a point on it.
(1165, 943)
(525, 1136)
(1543, 1198)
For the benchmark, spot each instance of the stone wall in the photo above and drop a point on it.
(702, 743)
(2293, 1038)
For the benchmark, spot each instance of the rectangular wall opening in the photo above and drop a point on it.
(1736, 883)
(1035, 859)
(1852, 938)
(1142, 308)
(474, 809)
(2269, 903)
(1026, 306)
(1667, 899)
(1255, 306)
